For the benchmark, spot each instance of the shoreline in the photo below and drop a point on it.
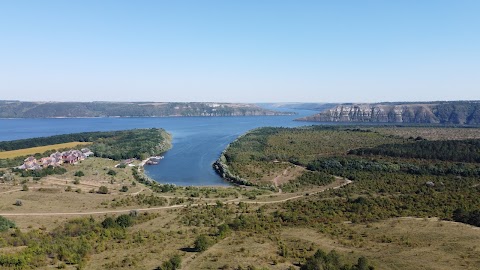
(156, 116)
(222, 169)
(142, 164)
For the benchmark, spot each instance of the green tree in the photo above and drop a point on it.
(202, 243)
(79, 173)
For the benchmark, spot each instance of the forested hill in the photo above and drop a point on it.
(305, 106)
(446, 112)
(20, 109)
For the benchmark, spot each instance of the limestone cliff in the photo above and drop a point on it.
(454, 112)
(20, 109)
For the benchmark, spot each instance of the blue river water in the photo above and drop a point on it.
(197, 141)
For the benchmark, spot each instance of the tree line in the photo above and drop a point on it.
(448, 150)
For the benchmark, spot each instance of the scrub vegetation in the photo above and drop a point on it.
(399, 212)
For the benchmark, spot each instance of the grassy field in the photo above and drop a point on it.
(401, 243)
(40, 149)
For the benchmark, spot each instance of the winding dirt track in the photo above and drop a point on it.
(235, 201)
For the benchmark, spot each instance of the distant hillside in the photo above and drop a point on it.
(446, 112)
(305, 106)
(20, 109)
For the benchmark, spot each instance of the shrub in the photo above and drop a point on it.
(322, 260)
(172, 264)
(24, 187)
(79, 174)
(18, 203)
(133, 213)
(6, 224)
(109, 222)
(124, 189)
(223, 230)
(103, 190)
(124, 221)
(202, 243)
(112, 172)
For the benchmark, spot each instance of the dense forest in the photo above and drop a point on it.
(138, 143)
(469, 217)
(451, 150)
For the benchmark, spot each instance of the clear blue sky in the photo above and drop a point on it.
(240, 51)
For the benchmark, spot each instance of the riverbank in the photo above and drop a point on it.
(221, 168)
(198, 141)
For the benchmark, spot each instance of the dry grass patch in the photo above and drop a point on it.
(148, 245)
(68, 193)
(240, 249)
(405, 243)
(290, 173)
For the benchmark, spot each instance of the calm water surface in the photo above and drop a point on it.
(197, 141)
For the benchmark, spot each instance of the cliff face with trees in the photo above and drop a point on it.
(20, 109)
(451, 112)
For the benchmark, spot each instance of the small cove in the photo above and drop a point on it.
(197, 141)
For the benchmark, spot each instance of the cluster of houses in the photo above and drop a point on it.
(56, 159)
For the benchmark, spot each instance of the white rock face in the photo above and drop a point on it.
(411, 113)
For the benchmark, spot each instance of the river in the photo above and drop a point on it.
(197, 141)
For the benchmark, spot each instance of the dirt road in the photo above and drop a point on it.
(344, 183)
